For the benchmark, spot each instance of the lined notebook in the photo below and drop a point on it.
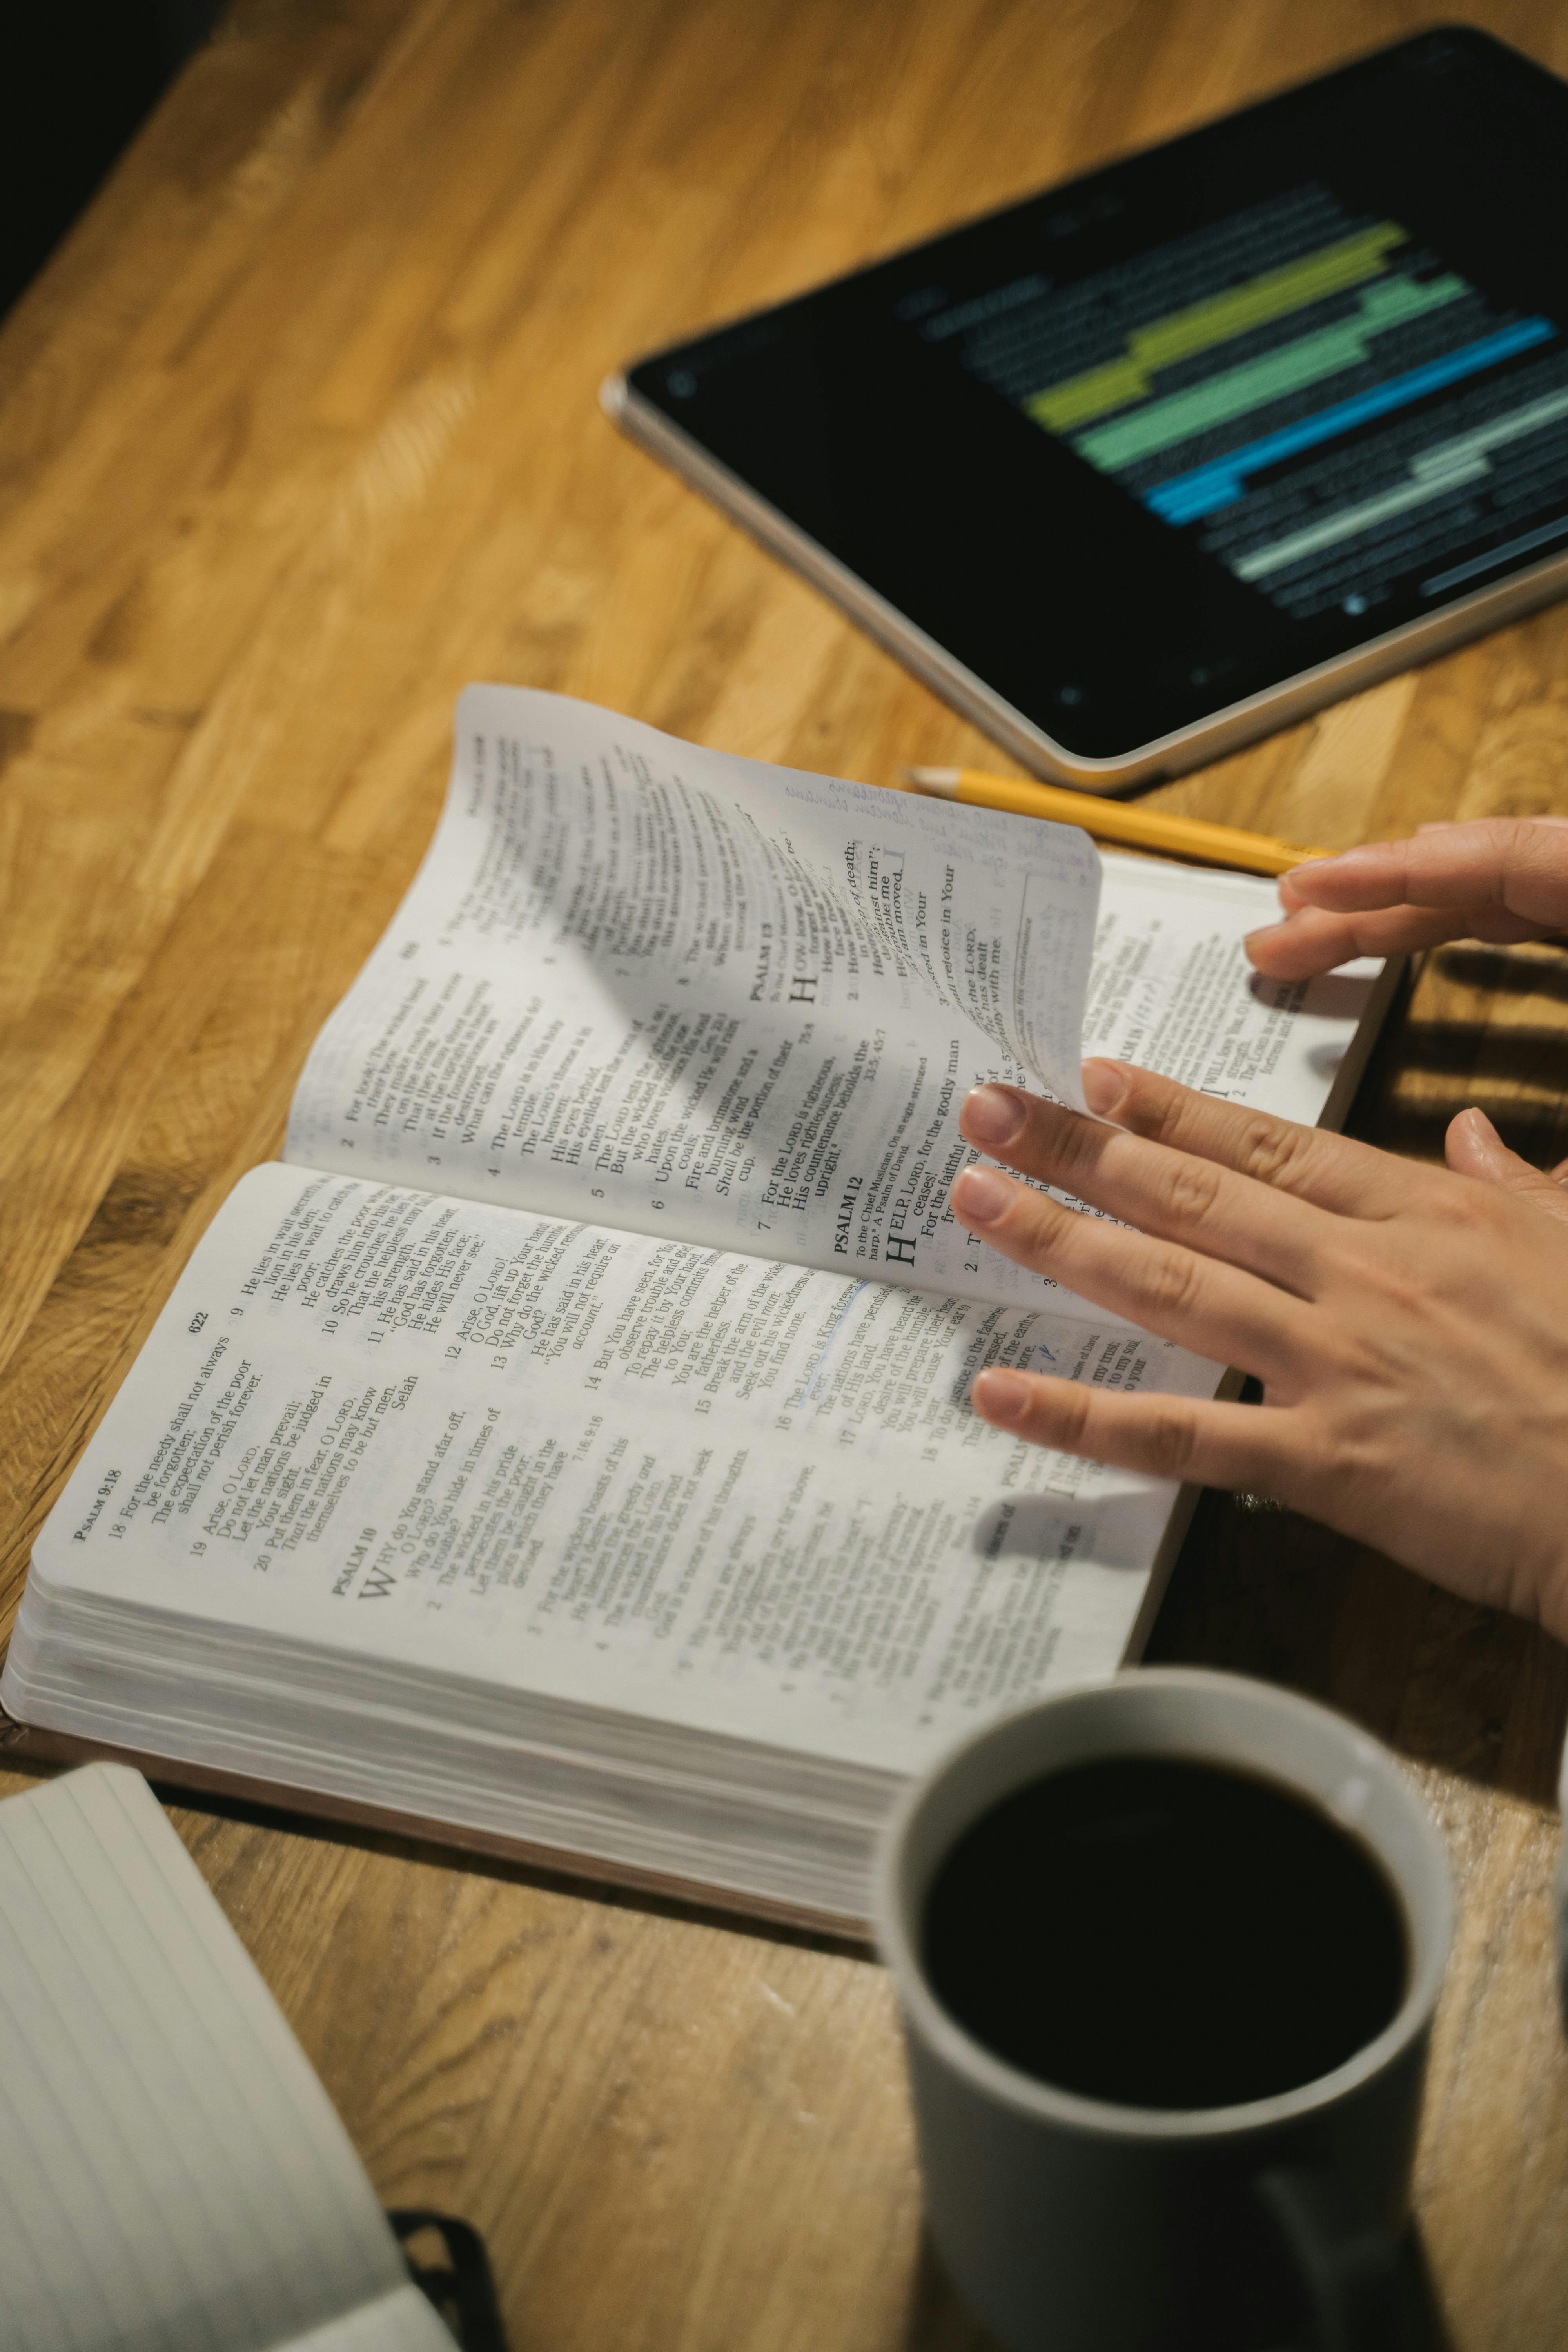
(172, 2176)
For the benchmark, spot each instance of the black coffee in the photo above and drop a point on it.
(1164, 1934)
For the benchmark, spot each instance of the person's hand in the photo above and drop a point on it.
(1409, 1324)
(1504, 880)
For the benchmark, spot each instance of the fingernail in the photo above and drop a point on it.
(983, 1195)
(993, 1116)
(1001, 1395)
(1480, 1149)
(1264, 931)
(1104, 1085)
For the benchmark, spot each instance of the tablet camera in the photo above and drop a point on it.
(1440, 55)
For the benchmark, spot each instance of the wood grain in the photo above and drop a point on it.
(297, 433)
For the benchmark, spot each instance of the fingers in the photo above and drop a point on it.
(1162, 1192)
(1175, 1292)
(1329, 1171)
(1474, 1147)
(1517, 865)
(1312, 941)
(1447, 824)
(1164, 1436)
(1503, 879)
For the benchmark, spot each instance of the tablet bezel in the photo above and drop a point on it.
(1223, 728)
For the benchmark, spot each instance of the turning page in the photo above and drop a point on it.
(684, 994)
(670, 990)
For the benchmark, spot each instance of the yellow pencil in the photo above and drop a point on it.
(1140, 828)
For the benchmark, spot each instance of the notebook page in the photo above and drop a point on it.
(172, 2176)
(400, 2322)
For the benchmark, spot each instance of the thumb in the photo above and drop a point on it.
(1474, 1147)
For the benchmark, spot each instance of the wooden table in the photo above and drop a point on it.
(297, 433)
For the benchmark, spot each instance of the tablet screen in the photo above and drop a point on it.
(1310, 394)
(1161, 440)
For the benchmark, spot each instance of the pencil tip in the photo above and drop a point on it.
(942, 781)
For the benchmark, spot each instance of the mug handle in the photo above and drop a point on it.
(1357, 2297)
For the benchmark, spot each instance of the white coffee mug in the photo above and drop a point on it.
(1071, 2224)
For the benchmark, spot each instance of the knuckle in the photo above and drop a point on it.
(1348, 1358)
(1357, 1455)
(1469, 1208)
(1191, 1190)
(1069, 1413)
(1474, 1214)
(1040, 1222)
(1064, 1140)
(1170, 1438)
(1151, 1107)
(1171, 1283)
(1275, 1153)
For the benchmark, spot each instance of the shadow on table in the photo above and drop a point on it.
(1261, 1591)
(1537, 1052)
(1541, 970)
(938, 2322)
(1428, 1065)
(1520, 1082)
(434, 1854)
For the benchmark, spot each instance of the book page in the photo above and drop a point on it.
(172, 2173)
(688, 994)
(1171, 990)
(640, 1473)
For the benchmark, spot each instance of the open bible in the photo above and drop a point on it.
(566, 1446)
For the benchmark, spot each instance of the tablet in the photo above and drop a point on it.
(1148, 465)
